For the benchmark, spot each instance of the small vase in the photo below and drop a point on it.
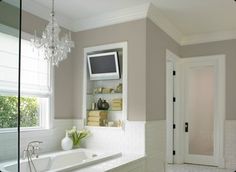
(66, 143)
(105, 105)
(99, 104)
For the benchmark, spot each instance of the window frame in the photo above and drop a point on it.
(47, 122)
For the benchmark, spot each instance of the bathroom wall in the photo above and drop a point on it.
(134, 33)
(155, 139)
(228, 48)
(155, 145)
(50, 138)
(157, 43)
(130, 139)
(219, 47)
(9, 20)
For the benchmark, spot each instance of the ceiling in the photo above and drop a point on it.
(189, 17)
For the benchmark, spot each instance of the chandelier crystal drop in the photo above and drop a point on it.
(50, 45)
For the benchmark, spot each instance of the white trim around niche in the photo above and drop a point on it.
(124, 47)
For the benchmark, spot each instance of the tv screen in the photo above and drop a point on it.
(103, 66)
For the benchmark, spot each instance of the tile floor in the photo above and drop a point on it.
(195, 168)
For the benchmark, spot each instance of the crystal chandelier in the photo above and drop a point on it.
(50, 45)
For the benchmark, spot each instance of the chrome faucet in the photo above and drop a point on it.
(32, 150)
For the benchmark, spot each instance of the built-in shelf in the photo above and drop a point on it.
(93, 94)
(109, 110)
(103, 127)
(115, 99)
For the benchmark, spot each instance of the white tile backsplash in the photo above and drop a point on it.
(134, 138)
(51, 139)
(128, 140)
(137, 137)
(131, 139)
(104, 139)
(230, 144)
(155, 145)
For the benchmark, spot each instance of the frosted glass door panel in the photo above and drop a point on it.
(200, 110)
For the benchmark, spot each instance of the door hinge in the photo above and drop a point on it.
(174, 99)
(174, 72)
(174, 126)
(173, 152)
(186, 127)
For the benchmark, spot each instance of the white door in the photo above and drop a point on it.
(202, 108)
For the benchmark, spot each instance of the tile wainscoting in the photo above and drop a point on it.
(147, 138)
(51, 139)
(230, 144)
(131, 139)
(155, 146)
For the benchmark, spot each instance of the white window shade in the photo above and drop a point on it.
(35, 71)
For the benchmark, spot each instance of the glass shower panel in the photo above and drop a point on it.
(9, 72)
(200, 110)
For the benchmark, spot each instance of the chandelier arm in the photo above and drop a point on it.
(53, 33)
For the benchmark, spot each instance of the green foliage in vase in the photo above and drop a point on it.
(77, 136)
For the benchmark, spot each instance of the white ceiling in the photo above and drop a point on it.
(189, 17)
(77, 9)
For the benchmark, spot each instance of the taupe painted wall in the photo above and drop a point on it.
(10, 15)
(147, 45)
(220, 47)
(135, 34)
(157, 43)
(63, 73)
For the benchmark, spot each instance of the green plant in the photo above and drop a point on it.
(9, 112)
(77, 136)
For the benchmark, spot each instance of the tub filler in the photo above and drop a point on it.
(61, 161)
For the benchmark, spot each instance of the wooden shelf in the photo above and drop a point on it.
(109, 110)
(93, 94)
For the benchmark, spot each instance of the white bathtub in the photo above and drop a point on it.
(61, 161)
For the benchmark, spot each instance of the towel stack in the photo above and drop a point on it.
(116, 104)
(97, 118)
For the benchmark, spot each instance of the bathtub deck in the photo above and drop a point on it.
(131, 163)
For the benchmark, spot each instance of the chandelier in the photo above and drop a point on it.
(50, 45)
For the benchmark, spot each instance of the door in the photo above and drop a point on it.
(202, 108)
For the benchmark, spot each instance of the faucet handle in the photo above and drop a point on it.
(24, 154)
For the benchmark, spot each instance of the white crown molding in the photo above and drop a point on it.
(44, 13)
(161, 21)
(208, 37)
(115, 17)
(147, 10)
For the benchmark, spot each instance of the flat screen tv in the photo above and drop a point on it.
(103, 66)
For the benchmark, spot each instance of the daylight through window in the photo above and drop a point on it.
(36, 88)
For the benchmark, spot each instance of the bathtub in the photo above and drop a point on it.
(61, 161)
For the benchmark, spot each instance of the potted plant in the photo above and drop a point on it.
(76, 136)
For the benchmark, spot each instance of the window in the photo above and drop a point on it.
(36, 87)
